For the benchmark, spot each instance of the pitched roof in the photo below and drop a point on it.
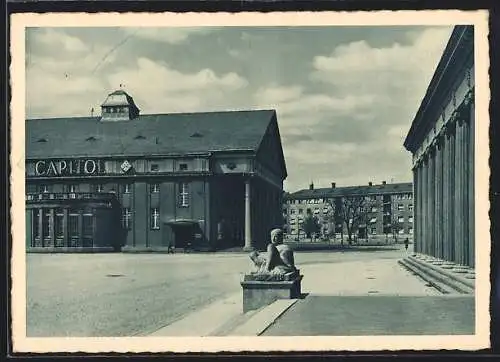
(156, 134)
(352, 191)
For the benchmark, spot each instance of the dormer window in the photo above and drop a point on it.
(119, 106)
(196, 135)
(91, 138)
(139, 137)
(42, 140)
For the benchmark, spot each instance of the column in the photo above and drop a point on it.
(438, 219)
(415, 198)
(420, 214)
(80, 228)
(451, 195)
(446, 200)
(470, 185)
(248, 218)
(40, 227)
(428, 209)
(432, 201)
(65, 227)
(52, 227)
(423, 204)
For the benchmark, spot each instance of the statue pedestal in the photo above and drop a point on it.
(257, 294)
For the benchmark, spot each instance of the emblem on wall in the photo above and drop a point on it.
(126, 166)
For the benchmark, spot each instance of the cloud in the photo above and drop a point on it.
(374, 94)
(51, 37)
(160, 88)
(170, 35)
(396, 70)
(274, 94)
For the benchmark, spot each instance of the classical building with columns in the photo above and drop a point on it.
(126, 181)
(441, 139)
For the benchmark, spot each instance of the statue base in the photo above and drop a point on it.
(259, 293)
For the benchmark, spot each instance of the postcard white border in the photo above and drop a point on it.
(480, 340)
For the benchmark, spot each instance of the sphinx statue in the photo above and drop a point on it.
(278, 263)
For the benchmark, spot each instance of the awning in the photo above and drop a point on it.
(182, 222)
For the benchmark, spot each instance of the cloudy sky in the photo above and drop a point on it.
(345, 96)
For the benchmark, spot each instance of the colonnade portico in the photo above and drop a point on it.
(444, 189)
(262, 211)
(441, 140)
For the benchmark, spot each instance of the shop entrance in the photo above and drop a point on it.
(184, 233)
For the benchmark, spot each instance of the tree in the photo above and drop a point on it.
(395, 226)
(311, 225)
(353, 213)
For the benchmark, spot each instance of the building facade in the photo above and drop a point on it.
(441, 140)
(125, 181)
(382, 210)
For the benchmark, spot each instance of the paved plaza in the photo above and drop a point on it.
(139, 294)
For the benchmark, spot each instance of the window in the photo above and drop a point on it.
(126, 218)
(72, 188)
(46, 224)
(401, 219)
(374, 209)
(292, 211)
(374, 231)
(34, 221)
(316, 211)
(401, 207)
(184, 194)
(58, 223)
(44, 188)
(155, 188)
(373, 220)
(284, 211)
(410, 207)
(410, 219)
(155, 218)
(183, 166)
(410, 196)
(126, 188)
(73, 231)
(373, 198)
(98, 188)
(410, 230)
(401, 231)
(155, 167)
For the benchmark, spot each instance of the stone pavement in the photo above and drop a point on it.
(366, 277)
(376, 315)
(371, 296)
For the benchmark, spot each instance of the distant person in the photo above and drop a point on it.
(170, 249)
(406, 243)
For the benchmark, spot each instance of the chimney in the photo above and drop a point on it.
(370, 183)
(333, 185)
(311, 186)
(384, 183)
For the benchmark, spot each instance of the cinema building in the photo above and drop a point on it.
(441, 140)
(132, 182)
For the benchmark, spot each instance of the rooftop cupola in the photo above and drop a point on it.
(119, 106)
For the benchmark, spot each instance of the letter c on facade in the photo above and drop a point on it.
(37, 168)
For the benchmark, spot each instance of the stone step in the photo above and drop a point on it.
(436, 284)
(440, 278)
(459, 273)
